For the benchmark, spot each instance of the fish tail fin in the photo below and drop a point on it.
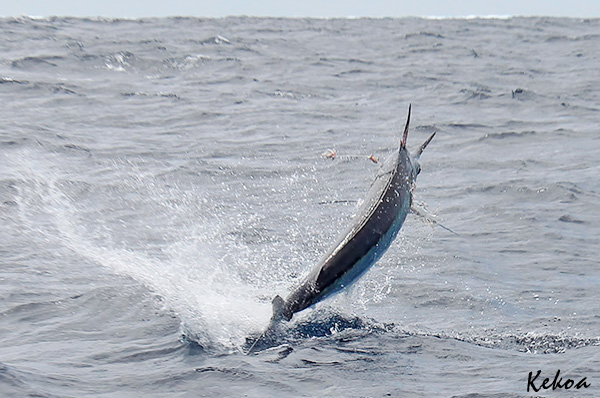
(405, 135)
(419, 151)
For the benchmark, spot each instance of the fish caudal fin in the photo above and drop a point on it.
(419, 151)
(405, 134)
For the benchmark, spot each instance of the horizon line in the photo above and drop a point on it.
(430, 17)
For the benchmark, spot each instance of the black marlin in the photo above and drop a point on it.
(371, 233)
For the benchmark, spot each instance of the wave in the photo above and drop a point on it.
(31, 62)
(16, 382)
(331, 328)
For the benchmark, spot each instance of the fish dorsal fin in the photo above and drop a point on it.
(405, 135)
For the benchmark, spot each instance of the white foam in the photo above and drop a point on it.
(215, 305)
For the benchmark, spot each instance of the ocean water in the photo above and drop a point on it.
(161, 180)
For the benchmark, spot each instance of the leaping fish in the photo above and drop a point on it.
(362, 244)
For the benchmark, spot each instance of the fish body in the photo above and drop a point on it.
(362, 244)
(371, 233)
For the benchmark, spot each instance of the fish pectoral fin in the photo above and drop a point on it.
(417, 212)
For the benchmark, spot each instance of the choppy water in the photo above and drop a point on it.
(161, 181)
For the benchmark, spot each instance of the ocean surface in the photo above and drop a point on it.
(161, 180)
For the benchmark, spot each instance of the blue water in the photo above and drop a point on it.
(161, 180)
